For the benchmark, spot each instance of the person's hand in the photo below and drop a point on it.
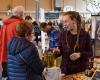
(39, 44)
(56, 50)
(74, 56)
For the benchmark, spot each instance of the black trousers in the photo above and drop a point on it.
(4, 66)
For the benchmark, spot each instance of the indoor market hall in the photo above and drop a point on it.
(50, 40)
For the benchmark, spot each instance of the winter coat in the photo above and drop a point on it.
(8, 30)
(23, 60)
(53, 35)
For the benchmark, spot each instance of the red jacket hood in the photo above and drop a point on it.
(6, 33)
(11, 20)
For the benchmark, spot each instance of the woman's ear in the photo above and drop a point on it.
(74, 21)
(26, 36)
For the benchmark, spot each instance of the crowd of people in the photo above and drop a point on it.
(19, 57)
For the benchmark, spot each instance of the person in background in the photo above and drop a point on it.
(74, 45)
(61, 27)
(37, 32)
(0, 61)
(8, 30)
(1, 23)
(23, 58)
(52, 33)
(83, 22)
(28, 18)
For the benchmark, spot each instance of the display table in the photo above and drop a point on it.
(78, 76)
(54, 73)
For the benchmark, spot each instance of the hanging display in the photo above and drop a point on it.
(97, 39)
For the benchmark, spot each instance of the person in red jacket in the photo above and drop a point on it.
(8, 31)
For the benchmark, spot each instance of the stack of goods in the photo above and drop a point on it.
(97, 63)
(78, 76)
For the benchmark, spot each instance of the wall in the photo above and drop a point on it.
(78, 5)
(18, 2)
(4, 5)
(70, 3)
(81, 5)
(48, 5)
(28, 4)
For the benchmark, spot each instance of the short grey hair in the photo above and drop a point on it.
(18, 11)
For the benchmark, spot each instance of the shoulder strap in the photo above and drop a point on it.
(18, 55)
(23, 60)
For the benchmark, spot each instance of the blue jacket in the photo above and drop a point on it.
(53, 38)
(23, 60)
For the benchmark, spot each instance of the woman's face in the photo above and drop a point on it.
(69, 23)
(30, 37)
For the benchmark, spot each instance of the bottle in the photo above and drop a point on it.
(45, 57)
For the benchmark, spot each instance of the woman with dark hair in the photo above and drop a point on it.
(23, 58)
(74, 45)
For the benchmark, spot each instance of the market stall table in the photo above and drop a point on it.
(54, 73)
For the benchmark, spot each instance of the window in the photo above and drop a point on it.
(93, 6)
